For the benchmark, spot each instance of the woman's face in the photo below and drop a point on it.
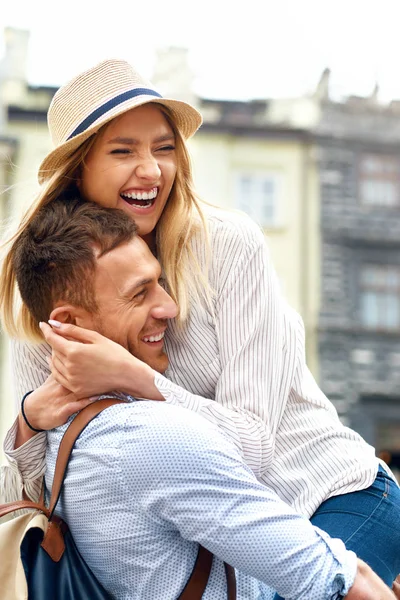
(132, 166)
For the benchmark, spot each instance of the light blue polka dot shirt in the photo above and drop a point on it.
(148, 481)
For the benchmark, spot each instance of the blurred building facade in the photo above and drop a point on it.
(323, 180)
(359, 338)
(357, 148)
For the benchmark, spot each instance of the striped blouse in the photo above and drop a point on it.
(242, 366)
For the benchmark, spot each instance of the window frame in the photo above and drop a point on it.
(382, 292)
(258, 178)
(380, 176)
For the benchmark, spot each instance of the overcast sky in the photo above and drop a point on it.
(237, 49)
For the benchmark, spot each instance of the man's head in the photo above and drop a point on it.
(78, 262)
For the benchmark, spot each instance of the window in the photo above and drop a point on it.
(258, 194)
(379, 181)
(380, 297)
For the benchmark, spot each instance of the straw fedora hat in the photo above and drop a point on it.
(80, 107)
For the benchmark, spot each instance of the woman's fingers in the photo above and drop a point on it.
(87, 363)
(71, 375)
(57, 342)
(57, 370)
(71, 332)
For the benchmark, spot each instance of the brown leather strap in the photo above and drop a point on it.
(5, 509)
(198, 580)
(197, 583)
(70, 436)
(231, 581)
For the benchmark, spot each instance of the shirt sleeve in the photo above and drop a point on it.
(26, 464)
(260, 340)
(25, 469)
(195, 482)
(29, 366)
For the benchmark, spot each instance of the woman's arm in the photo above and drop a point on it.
(89, 363)
(25, 469)
(26, 465)
(253, 332)
(48, 406)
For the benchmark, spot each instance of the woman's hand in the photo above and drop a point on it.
(368, 586)
(47, 407)
(89, 364)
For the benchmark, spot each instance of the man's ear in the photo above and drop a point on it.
(68, 313)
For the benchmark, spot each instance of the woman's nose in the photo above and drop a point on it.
(148, 169)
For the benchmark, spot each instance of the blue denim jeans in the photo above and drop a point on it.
(368, 522)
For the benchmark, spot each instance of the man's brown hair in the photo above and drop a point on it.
(55, 255)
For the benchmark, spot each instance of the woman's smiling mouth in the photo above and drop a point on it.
(140, 198)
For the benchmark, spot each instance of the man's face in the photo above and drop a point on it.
(133, 308)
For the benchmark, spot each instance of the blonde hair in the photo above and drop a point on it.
(182, 219)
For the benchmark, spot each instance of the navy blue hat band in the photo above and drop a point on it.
(96, 114)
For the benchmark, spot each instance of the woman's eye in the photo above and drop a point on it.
(166, 149)
(121, 151)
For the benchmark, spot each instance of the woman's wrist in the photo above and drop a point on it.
(25, 430)
(24, 434)
(137, 380)
(23, 413)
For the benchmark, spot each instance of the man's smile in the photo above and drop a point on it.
(154, 338)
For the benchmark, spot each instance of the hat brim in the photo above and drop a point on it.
(186, 118)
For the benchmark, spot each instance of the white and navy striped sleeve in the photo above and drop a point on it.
(27, 464)
(29, 366)
(25, 469)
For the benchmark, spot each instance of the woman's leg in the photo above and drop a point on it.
(368, 522)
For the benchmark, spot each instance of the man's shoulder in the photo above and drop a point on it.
(157, 419)
(161, 427)
(147, 421)
(142, 433)
(136, 437)
(165, 445)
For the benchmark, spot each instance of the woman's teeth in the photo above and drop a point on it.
(145, 199)
(154, 338)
